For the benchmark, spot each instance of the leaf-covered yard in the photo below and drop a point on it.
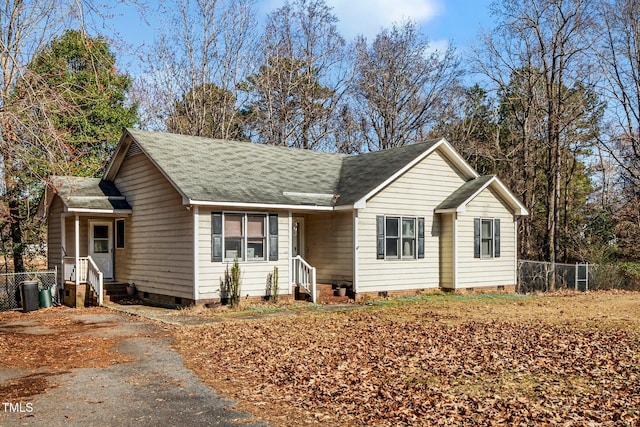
(434, 360)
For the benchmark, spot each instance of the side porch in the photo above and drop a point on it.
(86, 219)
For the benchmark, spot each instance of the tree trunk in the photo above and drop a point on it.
(15, 230)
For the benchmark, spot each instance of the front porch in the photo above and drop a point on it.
(306, 288)
(86, 230)
(322, 256)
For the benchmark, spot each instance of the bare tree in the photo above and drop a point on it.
(550, 38)
(401, 86)
(618, 53)
(30, 144)
(206, 52)
(297, 90)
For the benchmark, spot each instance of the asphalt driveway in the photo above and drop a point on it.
(96, 367)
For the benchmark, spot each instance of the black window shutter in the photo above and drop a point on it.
(496, 238)
(216, 236)
(476, 237)
(273, 237)
(380, 236)
(421, 237)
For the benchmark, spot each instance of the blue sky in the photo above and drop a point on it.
(440, 20)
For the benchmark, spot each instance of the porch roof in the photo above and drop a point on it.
(458, 200)
(80, 194)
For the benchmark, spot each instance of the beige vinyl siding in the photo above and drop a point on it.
(446, 250)
(70, 236)
(253, 273)
(159, 234)
(476, 272)
(329, 245)
(54, 234)
(416, 193)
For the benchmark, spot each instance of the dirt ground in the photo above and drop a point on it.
(96, 367)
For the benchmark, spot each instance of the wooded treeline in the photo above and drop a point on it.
(549, 101)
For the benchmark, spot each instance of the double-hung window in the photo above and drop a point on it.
(244, 236)
(486, 237)
(400, 237)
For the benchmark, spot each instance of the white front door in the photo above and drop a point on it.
(101, 247)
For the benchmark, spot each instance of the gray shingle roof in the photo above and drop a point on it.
(229, 171)
(462, 194)
(89, 193)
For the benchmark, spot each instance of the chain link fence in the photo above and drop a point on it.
(535, 276)
(10, 287)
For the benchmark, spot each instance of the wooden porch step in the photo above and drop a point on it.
(114, 291)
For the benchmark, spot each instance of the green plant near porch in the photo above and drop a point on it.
(231, 285)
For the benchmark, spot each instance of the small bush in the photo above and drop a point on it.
(231, 285)
(631, 274)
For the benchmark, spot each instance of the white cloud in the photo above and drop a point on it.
(368, 17)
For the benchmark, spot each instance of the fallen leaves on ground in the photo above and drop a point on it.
(427, 364)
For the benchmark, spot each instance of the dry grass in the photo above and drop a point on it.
(571, 359)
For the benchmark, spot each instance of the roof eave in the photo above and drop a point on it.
(450, 210)
(117, 158)
(45, 200)
(99, 211)
(251, 205)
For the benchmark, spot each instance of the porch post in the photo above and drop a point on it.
(77, 252)
(63, 244)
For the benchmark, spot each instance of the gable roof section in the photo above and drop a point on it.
(81, 194)
(218, 172)
(208, 170)
(365, 175)
(458, 200)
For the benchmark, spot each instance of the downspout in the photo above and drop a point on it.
(355, 251)
(196, 266)
(290, 258)
(455, 250)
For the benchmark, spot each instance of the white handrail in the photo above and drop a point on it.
(71, 270)
(95, 278)
(87, 271)
(304, 275)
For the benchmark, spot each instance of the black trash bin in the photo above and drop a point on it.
(30, 295)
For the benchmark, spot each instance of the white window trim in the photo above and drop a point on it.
(245, 238)
(401, 257)
(124, 232)
(493, 238)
